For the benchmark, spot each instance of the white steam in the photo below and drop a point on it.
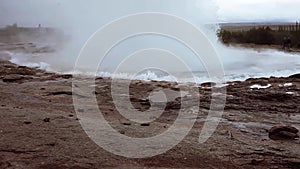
(79, 19)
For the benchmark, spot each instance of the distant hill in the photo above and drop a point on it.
(13, 33)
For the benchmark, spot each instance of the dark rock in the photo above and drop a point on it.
(12, 78)
(125, 122)
(296, 76)
(272, 96)
(22, 67)
(67, 76)
(51, 144)
(173, 105)
(175, 88)
(256, 161)
(250, 79)
(27, 122)
(208, 84)
(145, 124)
(25, 71)
(283, 132)
(5, 164)
(70, 93)
(283, 128)
(288, 135)
(46, 120)
(143, 102)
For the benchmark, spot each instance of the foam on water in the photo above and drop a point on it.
(240, 65)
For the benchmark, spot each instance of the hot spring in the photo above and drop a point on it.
(81, 19)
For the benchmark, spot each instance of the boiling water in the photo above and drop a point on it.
(239, 63)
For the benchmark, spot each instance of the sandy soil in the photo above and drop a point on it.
(39, 128)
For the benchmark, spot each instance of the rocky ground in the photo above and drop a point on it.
(39, 127)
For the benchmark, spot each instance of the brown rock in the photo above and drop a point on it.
(283, 132)
(277, 129)
(288, 135)
(25, 71)
(164, 84)
(12, 78)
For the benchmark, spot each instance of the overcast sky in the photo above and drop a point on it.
(49, 12)
(243, 10)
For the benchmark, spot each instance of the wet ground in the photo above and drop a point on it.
(39, 127)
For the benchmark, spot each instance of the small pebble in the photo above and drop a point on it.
(145, 124)
(51, 144)
(126, 123)
(46, 120)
